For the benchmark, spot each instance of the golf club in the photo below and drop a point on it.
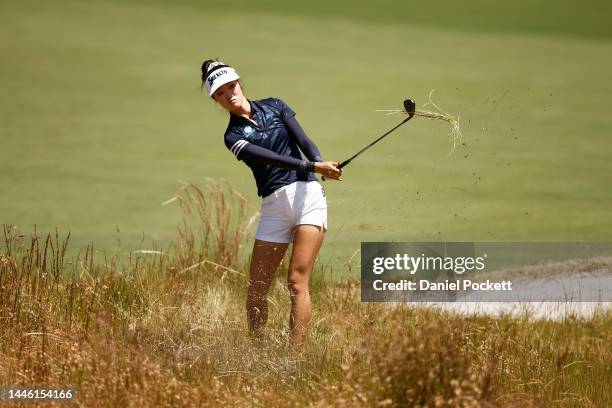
(409, 107)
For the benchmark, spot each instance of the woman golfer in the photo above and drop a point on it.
(265, 135)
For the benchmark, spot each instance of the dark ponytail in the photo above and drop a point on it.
(205, 66)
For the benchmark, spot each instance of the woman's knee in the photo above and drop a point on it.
(297, 280)
(298, 288)
(257, 290)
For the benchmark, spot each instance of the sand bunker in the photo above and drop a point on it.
(470, 304)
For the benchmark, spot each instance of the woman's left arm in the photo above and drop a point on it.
(306, 145)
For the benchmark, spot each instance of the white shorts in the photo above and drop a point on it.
(301, 202)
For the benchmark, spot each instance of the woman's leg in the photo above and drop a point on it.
(265, 259)
(307, 240)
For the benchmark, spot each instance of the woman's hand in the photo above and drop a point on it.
(328, 170)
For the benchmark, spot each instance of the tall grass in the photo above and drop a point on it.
(167, 328)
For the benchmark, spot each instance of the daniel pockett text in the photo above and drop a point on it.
(477, 272)
(423, 284)
(426, 264)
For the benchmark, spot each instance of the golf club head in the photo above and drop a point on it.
(409, 107)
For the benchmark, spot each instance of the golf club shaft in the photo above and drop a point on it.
(347, 161)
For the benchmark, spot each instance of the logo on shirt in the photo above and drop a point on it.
(248, 130)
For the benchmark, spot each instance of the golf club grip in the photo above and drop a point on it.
(344, 163)
(341, 165)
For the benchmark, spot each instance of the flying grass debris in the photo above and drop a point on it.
(438, 113)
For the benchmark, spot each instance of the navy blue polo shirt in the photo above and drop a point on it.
(270, 133)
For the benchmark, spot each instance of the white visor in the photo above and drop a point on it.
(218, 76)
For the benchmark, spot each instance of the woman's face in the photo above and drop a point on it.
(230, 96)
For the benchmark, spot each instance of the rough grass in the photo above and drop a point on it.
(152, 329)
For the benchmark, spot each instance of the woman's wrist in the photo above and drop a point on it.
(307, 165)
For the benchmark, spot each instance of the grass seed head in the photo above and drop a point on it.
(438, 113)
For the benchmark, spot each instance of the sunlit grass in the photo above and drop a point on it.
(144, 329)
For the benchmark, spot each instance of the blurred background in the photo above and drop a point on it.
(101, 113)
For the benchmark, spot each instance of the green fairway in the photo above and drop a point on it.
(101, 112)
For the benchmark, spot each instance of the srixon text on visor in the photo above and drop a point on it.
(216, 75)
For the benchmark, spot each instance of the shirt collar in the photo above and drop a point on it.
(255, 109)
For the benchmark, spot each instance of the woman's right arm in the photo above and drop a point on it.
(258, 154)
(243, 150)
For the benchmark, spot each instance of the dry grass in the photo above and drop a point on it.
(167, 328)
(455, 134)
